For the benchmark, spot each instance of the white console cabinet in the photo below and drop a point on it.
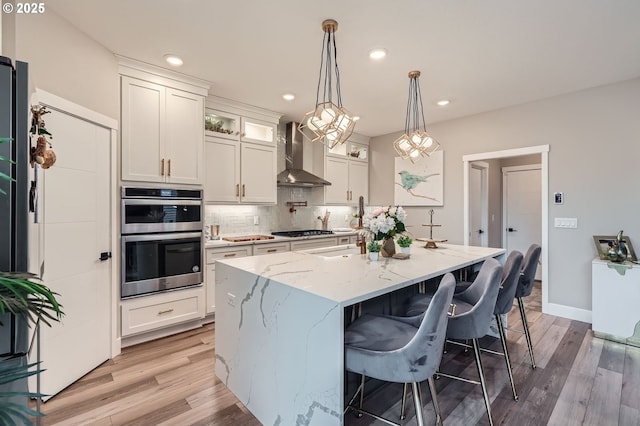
(615, 307)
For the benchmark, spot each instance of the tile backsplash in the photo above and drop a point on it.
(241, 219)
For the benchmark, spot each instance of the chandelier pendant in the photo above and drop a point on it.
(329, 122)
(416, 142)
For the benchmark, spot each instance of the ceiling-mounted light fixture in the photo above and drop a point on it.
(415, 143)
(329, 122)
(173, 60)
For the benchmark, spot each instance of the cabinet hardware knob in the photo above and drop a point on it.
(162, 170)
(271, 250)
(169, 167)
(237, 189)
(168, 311)
(243, 191)
(229, 255)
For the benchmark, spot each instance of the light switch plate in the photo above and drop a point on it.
(565, 222)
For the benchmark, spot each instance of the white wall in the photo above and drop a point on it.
(593, 159)
(64, 61)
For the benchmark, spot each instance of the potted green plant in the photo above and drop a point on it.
(23, 296)
(374, 250)
(404, 241)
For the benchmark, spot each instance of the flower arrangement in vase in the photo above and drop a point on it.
(384, 223)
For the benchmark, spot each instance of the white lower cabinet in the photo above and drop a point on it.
(270, 248)
(154, 311)
(213, 254)
(313, 243)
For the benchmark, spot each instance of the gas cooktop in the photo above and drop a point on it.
(301, 233)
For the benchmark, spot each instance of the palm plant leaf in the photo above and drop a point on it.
(22, 296)
(10, 411)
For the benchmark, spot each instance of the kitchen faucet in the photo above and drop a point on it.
(325, 219)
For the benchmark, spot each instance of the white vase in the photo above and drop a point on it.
(405, 250)
(373, 255)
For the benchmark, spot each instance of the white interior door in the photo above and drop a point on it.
(522, 214)
(478, 204)
(76, 215)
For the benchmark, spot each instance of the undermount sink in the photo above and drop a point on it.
(335, 251)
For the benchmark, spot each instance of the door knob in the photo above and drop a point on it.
(511, 230)
(105, 255)
(480, 231)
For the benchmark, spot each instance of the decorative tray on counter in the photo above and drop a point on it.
(243, 238)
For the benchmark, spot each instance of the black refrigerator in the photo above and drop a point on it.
(14, 214)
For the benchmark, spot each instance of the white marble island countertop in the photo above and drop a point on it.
(280, 322)
(348, 277)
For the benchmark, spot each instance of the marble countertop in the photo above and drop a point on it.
(347, 277)
(275, 239)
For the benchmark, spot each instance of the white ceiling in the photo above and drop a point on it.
(482, 55)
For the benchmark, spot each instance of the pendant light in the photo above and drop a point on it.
(415, 143)
(330, 123)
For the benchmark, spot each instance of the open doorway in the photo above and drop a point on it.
(496, 235)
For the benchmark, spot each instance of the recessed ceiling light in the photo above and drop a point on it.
(173, 60)
(288, 97)
(443, 102)
(377, 53)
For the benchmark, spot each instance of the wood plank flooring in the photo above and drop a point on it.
(580, 380)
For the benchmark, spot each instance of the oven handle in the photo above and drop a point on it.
(160, 202)
(163, 236)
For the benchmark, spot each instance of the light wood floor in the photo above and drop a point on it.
(579, 380)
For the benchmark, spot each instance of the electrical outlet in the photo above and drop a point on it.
(256, 220)
(231, 299)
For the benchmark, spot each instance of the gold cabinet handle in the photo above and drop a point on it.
(271, 250)
(237, 189)
(243, 191)
(229, 255)
(169, 167)
(238, 132)
(168, 311)
(347, 195)
(162, 169)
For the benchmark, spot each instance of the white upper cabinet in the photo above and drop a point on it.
(240, 153)
(162, 126)
(221, 124)
(346, 166)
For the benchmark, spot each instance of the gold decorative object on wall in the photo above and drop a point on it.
(42, 153)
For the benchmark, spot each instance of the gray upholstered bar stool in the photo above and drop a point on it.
(473, 313)
(400, 349)
(504, 303)
(525, 285)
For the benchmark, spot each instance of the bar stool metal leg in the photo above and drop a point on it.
(417, 401)
(403, 414)
(434, 398)
(485, 393)
(525, 326)
(505, 351)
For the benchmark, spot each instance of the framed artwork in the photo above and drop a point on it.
(604, 242)
(419, 184)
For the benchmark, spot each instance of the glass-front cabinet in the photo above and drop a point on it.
(352, 150)
(236, 127)
(221, 124)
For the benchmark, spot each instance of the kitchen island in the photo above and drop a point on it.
(280, 318)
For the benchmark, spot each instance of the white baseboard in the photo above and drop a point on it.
(567, 312)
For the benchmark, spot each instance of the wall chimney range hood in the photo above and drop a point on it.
(294, 174)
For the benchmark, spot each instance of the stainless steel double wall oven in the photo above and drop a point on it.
(161, 233)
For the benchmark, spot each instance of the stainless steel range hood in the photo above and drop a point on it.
(294, 174)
